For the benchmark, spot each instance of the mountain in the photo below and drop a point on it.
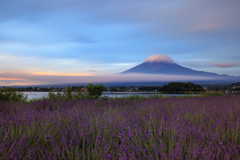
(160, 64)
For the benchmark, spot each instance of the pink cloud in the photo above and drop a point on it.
(206, 26)
(225, 64)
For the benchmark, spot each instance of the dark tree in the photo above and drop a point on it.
(180, 87)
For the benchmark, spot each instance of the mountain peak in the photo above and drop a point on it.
(159, 58)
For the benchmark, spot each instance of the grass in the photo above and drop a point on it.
(210, 94)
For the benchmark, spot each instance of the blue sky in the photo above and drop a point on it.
(41, 41)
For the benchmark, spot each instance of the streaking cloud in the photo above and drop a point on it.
(226, 64)
(59, 79)
(61, 74)
(11, 79)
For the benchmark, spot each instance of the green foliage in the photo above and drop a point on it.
(210, 94)
(69, 94)
(230, 87)
(106, 98)
(213, 88)
(133, 97)
(147, 88)
(187, 96)
(95, 91)
(233, 84)
(179, 87)
(10, 95)
(138, 97)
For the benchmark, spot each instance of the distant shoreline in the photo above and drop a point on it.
(131, 92)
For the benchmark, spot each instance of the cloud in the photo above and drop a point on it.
(83, 40)
(11, 79)
(93, 70)
(225, 64)
(61, 74)
(117, 33)
(192, 65)
(199, 64)
(206, 27)
(122, 64)
(58, 79)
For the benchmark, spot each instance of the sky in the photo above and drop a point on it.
(57, 41)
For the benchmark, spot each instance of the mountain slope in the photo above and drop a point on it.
(160, 64)
(166, 68)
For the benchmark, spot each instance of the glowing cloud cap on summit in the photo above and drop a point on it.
(159, 58)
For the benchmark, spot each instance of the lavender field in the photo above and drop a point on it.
(156, 128)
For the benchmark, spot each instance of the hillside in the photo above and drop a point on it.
(179, 87)
(233, 84)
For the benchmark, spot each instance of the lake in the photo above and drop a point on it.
(32, 95)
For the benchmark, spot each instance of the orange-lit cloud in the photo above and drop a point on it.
(61, 74)
(11, 79)
(21, 83)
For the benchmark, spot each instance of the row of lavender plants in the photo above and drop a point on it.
(155, 128)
